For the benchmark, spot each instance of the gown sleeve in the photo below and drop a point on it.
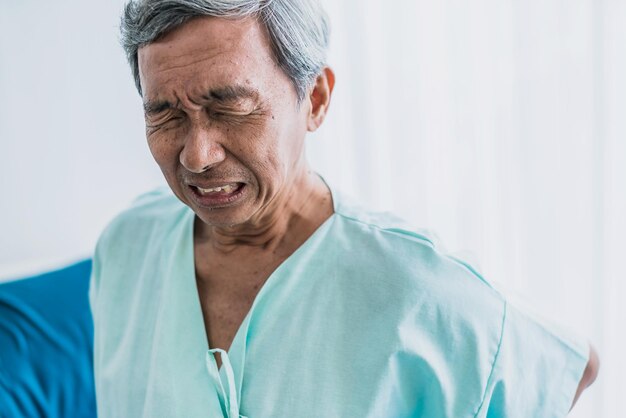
(536, 371)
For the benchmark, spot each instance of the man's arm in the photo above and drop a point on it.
(590, 374)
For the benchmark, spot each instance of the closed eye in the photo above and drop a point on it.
(164, 119)
(230, 112)
(230, 116)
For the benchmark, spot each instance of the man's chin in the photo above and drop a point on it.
(223, 217)
(213, 219)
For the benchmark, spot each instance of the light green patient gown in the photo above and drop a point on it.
(366, 319)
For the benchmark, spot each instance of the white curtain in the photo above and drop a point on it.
(501, 126)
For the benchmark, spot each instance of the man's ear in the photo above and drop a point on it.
(320, 98)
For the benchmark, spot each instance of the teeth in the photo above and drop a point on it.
(229, 188)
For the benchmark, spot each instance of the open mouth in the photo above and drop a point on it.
(218, 195)
(224, 190)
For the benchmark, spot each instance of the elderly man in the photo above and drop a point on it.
(252, 288)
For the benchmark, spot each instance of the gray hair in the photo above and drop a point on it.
(298, 30)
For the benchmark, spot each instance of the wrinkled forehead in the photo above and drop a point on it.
(206, 50)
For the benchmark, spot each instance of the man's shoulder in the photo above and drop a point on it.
(414, 254)
(389, 227)
(157, 209)
(367, 221)
(159, 202)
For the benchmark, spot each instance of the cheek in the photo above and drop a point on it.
(163, 151)
(272, 165)
(279, 162)
(273, 150)
(254, 145)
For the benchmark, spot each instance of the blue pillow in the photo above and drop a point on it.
(46, 340)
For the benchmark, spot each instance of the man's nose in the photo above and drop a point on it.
(202, 149)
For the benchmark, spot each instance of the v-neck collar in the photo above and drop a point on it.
(237, 351)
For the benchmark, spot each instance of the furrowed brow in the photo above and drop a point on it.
(231, 94)
(152, 108)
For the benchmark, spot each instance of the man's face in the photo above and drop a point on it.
(222, 119)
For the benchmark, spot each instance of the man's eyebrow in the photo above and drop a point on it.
(231, 93)
(154, 107)
(219, 94)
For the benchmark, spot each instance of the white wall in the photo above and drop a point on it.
(72, 147)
